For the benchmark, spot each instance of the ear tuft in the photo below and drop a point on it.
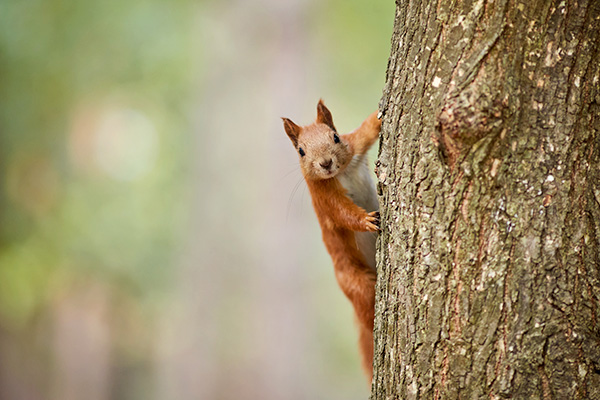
(292, 130)
(324, 115)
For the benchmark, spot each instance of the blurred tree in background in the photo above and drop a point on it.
(150, 244)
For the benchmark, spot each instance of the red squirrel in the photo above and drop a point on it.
(338, 178)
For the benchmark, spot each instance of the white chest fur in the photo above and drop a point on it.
(356, 179)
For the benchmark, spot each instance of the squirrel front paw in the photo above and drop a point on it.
(372, 221)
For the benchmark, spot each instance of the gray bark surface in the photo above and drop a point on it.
(489, 182)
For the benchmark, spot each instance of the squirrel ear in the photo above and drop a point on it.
(324, 115)
(292, 130)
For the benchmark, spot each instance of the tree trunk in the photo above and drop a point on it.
(489, 180)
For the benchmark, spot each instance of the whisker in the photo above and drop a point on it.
(289, 207)
(303, 193)
(295, 169)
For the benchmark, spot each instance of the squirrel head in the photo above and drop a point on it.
(323, 153)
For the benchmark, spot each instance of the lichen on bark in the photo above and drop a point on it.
(489, 182)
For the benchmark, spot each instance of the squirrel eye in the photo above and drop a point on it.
(336, 138)
(301, 151)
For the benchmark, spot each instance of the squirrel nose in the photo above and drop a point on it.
(326, 164)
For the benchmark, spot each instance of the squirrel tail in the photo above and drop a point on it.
(365, 341)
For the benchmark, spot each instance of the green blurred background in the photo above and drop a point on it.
(156, 239)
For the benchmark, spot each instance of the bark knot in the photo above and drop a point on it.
(466, 119)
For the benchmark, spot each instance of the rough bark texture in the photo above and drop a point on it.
(489, 171)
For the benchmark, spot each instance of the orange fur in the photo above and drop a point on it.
(325, 160)
(366, 134)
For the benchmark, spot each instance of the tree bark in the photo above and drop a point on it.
(489, 183)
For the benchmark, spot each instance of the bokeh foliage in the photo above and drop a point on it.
(77, 197)
(116, 120)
